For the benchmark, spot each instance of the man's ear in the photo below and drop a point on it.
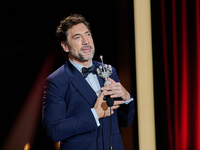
(65, 47)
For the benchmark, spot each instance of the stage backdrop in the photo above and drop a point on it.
(176, 48)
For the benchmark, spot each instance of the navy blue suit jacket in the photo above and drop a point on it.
(67, 116)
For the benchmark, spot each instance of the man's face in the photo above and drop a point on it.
(80, 43)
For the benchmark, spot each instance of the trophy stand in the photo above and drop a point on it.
(104, 72)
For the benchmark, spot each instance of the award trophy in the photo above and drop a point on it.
(104, 72)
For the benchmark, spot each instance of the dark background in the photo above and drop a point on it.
(27, 30)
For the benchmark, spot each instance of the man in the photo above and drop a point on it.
(74, 111)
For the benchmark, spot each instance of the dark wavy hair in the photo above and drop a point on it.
(66, 24)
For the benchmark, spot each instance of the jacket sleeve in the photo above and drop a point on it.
(125, 112)
(55, 122)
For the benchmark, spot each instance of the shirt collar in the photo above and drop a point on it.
(78, 66)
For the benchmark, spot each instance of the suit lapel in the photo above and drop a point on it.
(80, 83)
(101, 80)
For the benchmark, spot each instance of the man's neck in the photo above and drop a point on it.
(84, 63)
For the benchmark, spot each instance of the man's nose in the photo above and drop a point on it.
(85, 40)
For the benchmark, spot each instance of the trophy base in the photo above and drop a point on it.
(115, 99)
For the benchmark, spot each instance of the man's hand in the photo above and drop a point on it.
(102, 108)
(115, 89)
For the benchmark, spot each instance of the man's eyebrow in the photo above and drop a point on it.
(87, 32)
(76, 35)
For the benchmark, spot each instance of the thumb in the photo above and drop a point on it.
(101, 95)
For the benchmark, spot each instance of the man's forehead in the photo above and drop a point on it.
(78, 29)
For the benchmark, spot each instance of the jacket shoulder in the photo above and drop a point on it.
(57, 73)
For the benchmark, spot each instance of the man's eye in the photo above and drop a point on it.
(88, 34)
(77, 37)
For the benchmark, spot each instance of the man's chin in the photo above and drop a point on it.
(86, 58)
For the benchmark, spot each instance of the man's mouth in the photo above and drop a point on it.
(86, 48)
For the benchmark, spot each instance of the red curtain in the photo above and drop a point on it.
(180, 30)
